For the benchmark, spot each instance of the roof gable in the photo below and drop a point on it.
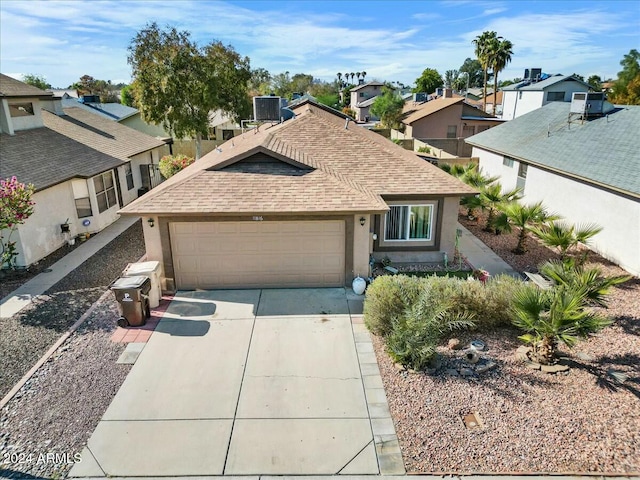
(10, 87)
(429, 108)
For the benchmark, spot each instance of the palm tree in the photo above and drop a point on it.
(524, 217)
(492, 198)
(501, 57)
(351, 74)
(358, 75)
(364, 74)
(552, 316)
(565, 237)
(575, 275)
(485, 45)
(339, 75)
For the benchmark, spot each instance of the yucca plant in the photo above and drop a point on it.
(552, 316)
(576, 275)
(524, 217)
(564, 236)
(416, 334)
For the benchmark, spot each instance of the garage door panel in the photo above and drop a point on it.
(258, 254)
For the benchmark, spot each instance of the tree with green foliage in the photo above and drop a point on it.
(451, 78)
(492, 199)
(388, 107)
(473, 69)
(178, 83)
(37, 81)
(596, 82)
(260, 82)
(428, 81)
(501, 56)
(128, 96)
(169, 165)
(626, 89)
(16, 207)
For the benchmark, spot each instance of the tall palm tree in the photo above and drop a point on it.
(352, 75)
(364, 74)
(564, 236)
(358, 75)
(485, 45)
(501, 57)
(524, 217)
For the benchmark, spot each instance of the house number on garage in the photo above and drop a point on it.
(258, 219)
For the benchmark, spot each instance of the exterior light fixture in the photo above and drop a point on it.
(151, 222)
(363, 221)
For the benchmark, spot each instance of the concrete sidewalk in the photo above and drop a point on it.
(481, 256)
(20, 298)
(250, 382)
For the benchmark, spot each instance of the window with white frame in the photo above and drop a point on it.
(409, 223)
(105, 191)
(129, 176)
(522, 170)
(81, 198)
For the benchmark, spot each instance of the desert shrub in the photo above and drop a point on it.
(387, 298)
(416, 333)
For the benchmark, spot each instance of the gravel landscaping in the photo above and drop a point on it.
(581, 421)
(27, 335)
(45, 426)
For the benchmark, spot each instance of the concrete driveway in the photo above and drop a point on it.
(250, 382)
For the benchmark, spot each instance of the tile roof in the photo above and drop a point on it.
(45, 158)
(602, 150)
(10, 87)
(97, 132)
(347, 170)
(428, 108)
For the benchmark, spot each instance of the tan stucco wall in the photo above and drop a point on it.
(361, 245)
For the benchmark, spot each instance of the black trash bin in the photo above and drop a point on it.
(132, 294)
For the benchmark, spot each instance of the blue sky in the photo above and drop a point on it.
(390, 40)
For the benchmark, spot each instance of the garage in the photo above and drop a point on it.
(251, 254)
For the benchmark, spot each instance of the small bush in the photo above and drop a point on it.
(172, 164)
(387, 298)
(416, 333)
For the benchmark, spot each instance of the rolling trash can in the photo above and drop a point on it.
(132, 295)
(149, 269)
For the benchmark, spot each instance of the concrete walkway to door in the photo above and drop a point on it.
(250, 382)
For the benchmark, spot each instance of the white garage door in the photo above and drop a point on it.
(258, 254)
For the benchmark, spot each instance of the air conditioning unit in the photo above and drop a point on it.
(588, 104)
(266, 109)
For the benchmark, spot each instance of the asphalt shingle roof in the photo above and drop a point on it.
(111, 111)
(10, 87)
(100, 133)
(602, 150)
(45, 158)
(348, 170)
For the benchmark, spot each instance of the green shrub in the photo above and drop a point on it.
(171, 164)
(387, 298)
(416, 333)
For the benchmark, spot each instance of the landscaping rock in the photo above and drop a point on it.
(532, 365)
(585, 357)
(454, 344)
(486, 367)
(554, 368)
(452, 372)
(467, 372)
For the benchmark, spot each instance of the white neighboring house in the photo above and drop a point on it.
(525, 96)
(84, 167)
(587, 171)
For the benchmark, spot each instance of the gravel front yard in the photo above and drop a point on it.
(582, 421)
(56, 411)
(27, 335)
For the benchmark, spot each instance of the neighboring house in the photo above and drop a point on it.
(83, 166)
(494, 103)
(222, 127)
(525, 96)
(362, 97)
(445, 122)
(587, 171)
(303, 203)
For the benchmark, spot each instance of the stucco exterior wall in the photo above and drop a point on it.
(41, 234)
(30, 121)
(136, 122)
(514, 105)
(579, 203)
(361, 246)
(436, 124)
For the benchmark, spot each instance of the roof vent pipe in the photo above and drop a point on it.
(346, 123)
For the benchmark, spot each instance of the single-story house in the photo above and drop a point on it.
(84, 167)
(307, 202)
(531, 93)
(587, 170)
